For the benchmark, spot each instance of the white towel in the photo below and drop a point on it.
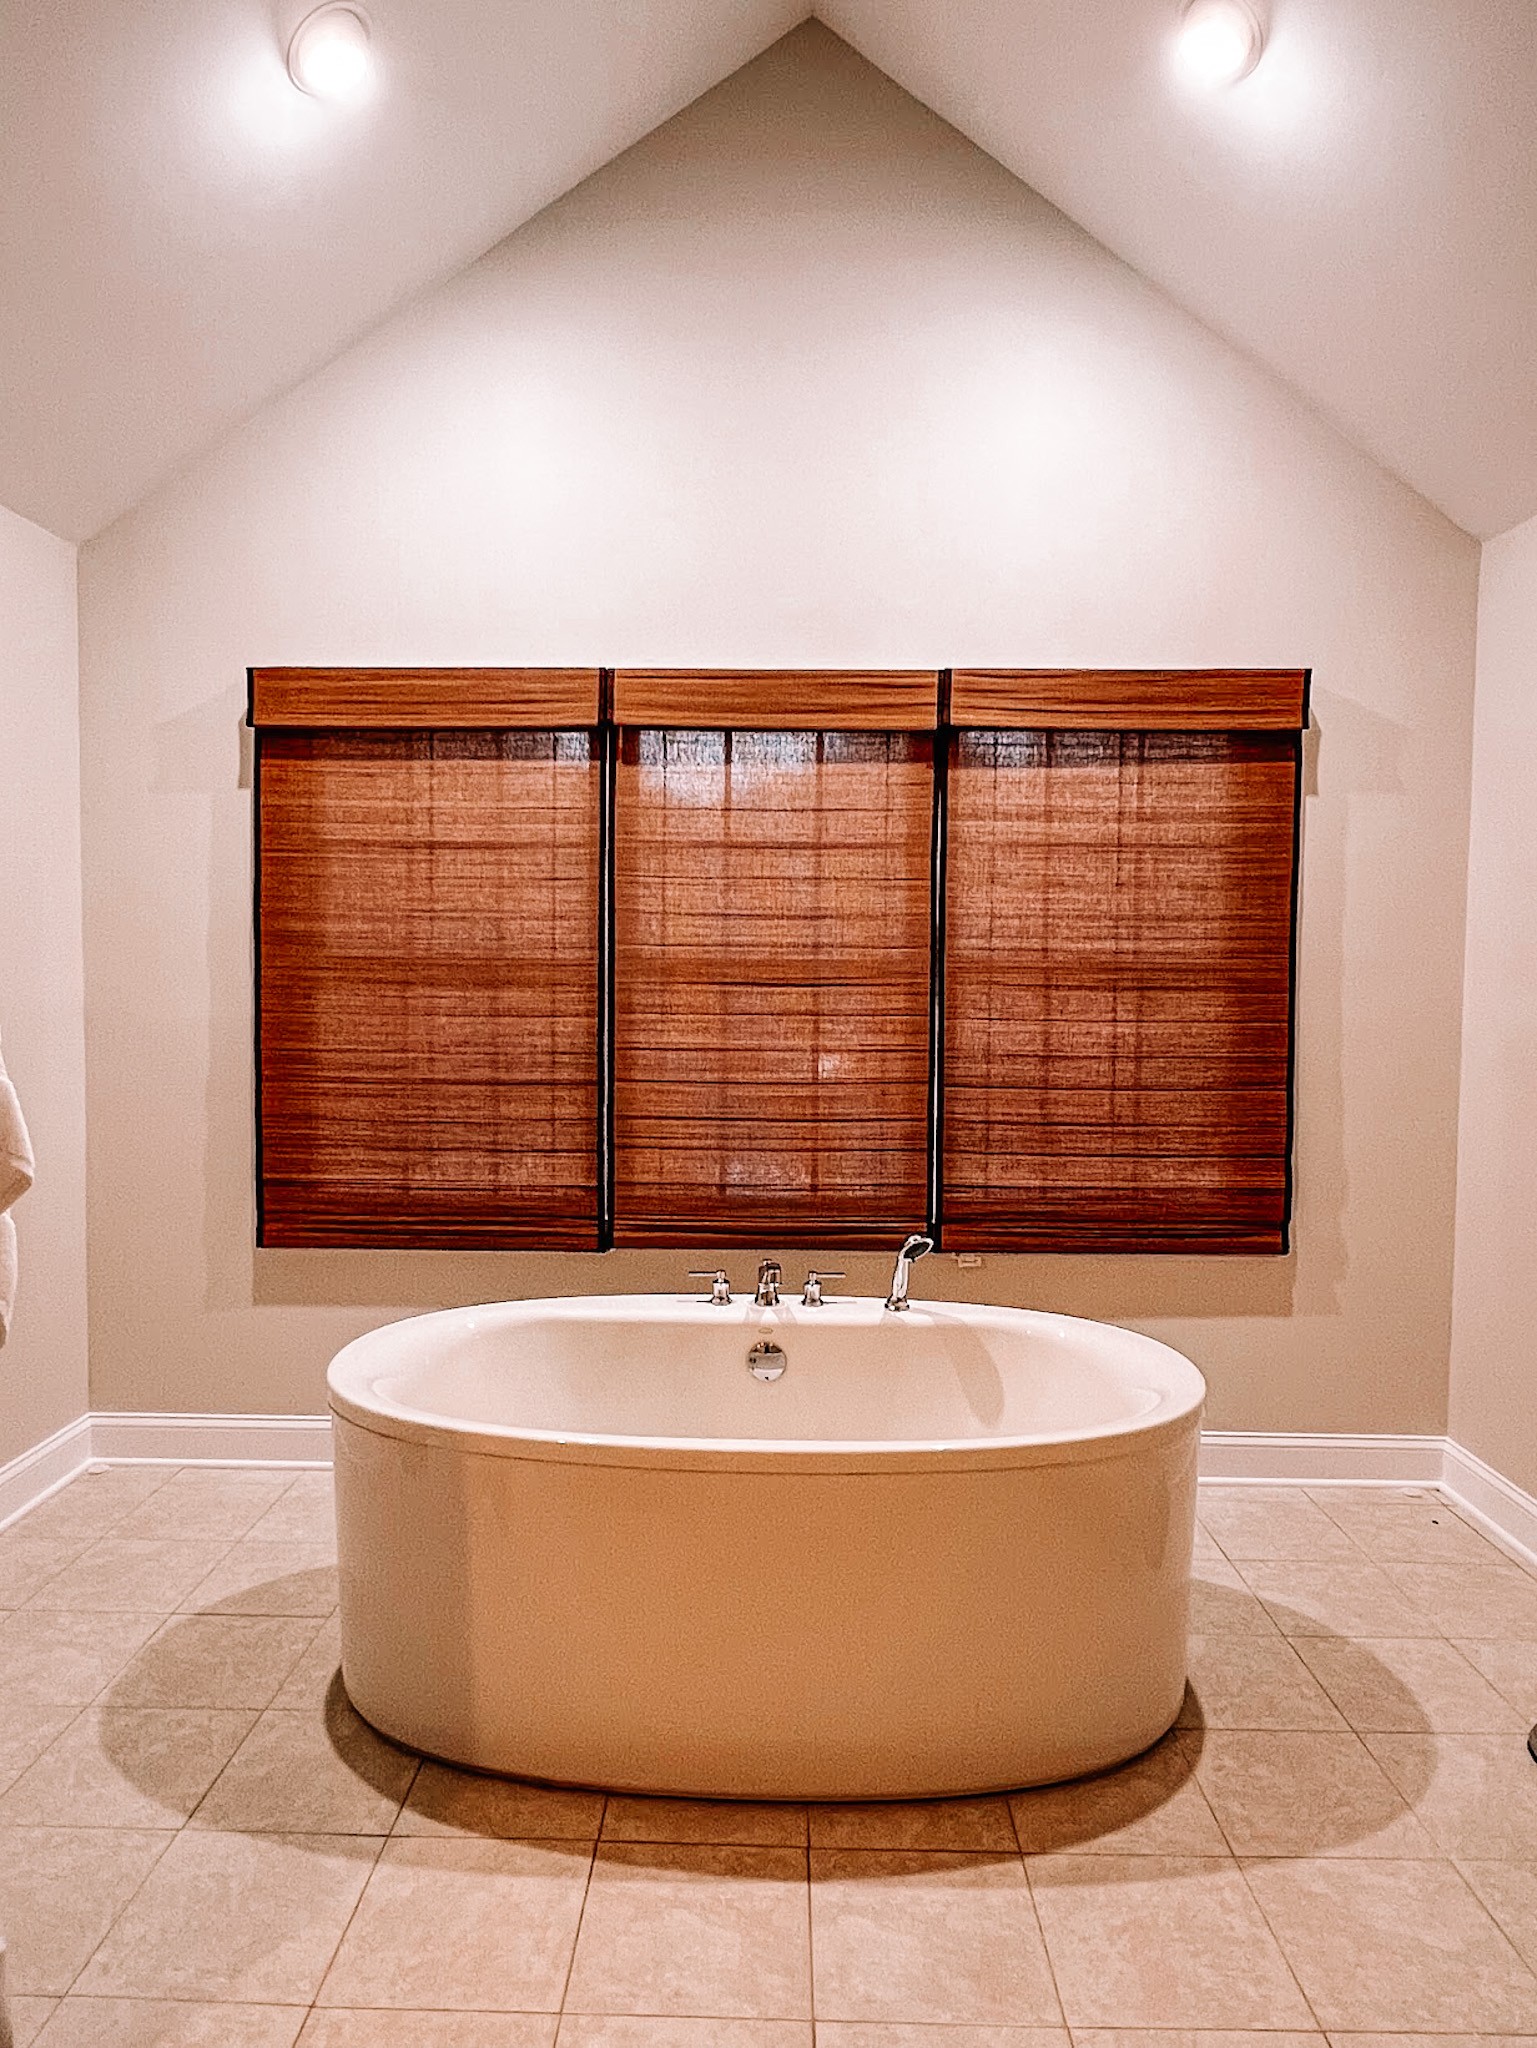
(7, 1299)
(16, 1170)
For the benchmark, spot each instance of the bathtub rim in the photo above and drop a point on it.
(1177, 1415)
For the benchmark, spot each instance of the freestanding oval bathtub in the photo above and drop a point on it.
(945, 1552)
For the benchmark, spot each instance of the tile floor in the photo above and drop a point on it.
(201, 1846)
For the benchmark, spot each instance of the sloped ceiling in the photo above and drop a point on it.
(182, 236)
(1360, 214)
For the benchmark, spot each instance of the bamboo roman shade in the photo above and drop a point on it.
(428, 929)
(579, 958)
(772, 986)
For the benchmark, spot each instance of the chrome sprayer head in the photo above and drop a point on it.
(914, 1247)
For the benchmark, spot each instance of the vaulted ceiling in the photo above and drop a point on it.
(182, 236)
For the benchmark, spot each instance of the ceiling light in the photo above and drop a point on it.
(1219, 41)
(329, 53)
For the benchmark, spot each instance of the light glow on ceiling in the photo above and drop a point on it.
(1219, 42)
(330, 54)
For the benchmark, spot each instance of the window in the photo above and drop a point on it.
(712, 958)
(427, 892)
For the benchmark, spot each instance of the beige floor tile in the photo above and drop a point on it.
(1338, 2040)
(1187, 2037)
(60, 1890)
(146, 1767)
(306, 1513)
(215, 1660)
(302, 1773)
(144, 2023)
(1262, 1524)
(1511, 1668)
(694, 1930)
(28, 2018)
(1161, 1942)
(26, 1729)
(360, 2028)
(206, 1502)
(28, 1562)
(1366, 1495)
(1406, 1687)
(1509, 1893)
(464, 1925)
(96, 1501)
(252, 1919)
(927, 1937)
(134, 1574)
(746, 1823)
(1222, 1605)
(268, 1578)
(1477, 1794)
(1382, 1945)
(1152, 1806)
(916, 1824)
(1254, 1681)
(1424, 1531)
(443, 1801)
(1291, 1793)
(1335, 1599)
(620, 2030)
(56, 1658)
(892, 2034)
(316, 1675)
(1472, 1601)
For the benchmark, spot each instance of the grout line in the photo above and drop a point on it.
(1280, 1946)
(1040, 1925)
(310, 2005)
(154, 1865)
(811, 1936)
(565, 1982)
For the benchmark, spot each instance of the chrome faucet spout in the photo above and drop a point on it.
(914, 1247)
(770, 1274)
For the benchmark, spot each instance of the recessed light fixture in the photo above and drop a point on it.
(330, 54)
(1219, 41)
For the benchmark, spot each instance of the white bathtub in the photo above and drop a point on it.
(948, 1551)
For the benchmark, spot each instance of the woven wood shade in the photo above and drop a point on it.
(781, 699)
(428, 988)
(772, 904)
(1118, 991)
(1132, 699)
(361, 699)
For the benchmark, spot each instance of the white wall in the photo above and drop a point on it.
(1494, 1344)
(803, 379)
(42, 999)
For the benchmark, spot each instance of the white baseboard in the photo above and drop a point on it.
(132, 1439)
(43, 1470)
(1258, 1456)
(1500, 1508)
(1506, 1514)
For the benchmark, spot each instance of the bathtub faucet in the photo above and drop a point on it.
(913, 1247)
(769, 1276)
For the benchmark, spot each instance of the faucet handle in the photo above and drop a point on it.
(720, 1287)
(812, 1296)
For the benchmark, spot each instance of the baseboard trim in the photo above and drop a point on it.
(131, 1439)
(1506, 1514)
(30, 1478)
(1255, 1457)
(1499, 1507)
